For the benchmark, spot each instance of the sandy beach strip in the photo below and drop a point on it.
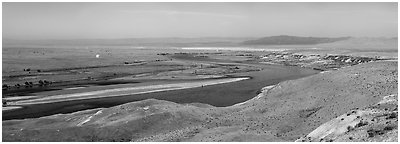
(10, 108)
(18, 98)
(127, 91)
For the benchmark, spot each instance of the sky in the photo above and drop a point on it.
(144, 20)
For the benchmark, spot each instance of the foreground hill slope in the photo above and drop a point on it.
(285, 112)
(295, 107)
(378, 122)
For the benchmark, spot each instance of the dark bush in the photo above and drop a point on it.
(349, 128)
(17, 85)
(372, 132)
(392, 115)
(41, 82)
(388, 128)
(361, 123)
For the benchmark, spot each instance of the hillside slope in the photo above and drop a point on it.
(378, 122)
(284, 112)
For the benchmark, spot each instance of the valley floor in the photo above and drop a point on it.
(285, 112)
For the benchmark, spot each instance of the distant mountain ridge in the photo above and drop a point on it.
(364, 43)
(292, 40)
(361, 43)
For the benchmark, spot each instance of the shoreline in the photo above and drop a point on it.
(263, 91)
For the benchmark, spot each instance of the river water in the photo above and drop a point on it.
(220, 95)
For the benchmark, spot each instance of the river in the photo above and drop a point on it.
(219, 95)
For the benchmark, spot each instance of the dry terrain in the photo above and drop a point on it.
(285, 112)
(227, 89)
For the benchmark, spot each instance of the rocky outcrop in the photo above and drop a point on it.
(376, 123)
(316, 61)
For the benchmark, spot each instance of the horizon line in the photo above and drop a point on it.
(41, 39)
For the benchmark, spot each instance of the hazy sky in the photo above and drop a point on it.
(132, 20)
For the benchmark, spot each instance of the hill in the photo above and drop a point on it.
(292, 40)
(364, 43)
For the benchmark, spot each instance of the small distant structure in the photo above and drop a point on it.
(97, 56)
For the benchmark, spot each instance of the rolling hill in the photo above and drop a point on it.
(364, 43)
(292, 40)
